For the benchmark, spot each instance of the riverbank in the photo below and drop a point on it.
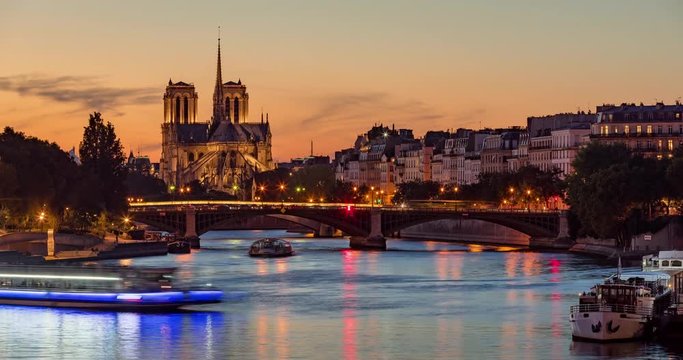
(122, 250)
(31, 248)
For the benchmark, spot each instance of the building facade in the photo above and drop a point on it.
(224, 153)
(650, 130)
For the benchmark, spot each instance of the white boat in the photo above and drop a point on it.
(670, 262)
(625, 307)
(271, 247)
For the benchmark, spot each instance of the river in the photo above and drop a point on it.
(418, 300)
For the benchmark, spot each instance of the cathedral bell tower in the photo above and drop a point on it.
(180, 103)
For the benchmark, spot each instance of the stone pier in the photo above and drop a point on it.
(374, 241)
(191, 228)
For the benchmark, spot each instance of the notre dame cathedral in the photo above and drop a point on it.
(224, 153)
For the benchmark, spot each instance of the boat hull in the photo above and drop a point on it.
(270, 254)
(151, 301)
(607, 326)
(179, 247)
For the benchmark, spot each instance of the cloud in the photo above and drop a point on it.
(356, 112)
(346, 111)
(87, 92)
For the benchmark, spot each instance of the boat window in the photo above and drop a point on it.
(676, 263)
(665, 262)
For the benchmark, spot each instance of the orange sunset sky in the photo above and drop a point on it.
(328, 70)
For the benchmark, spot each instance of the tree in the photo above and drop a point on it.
(417, 190)
(102, 155)
(344, 192)
(311, 183)
(674, 174)
(38, 173)
(8, 180)
(149, 187)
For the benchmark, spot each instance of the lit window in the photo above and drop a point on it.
(627, 129)
(639, 129)
(649, 129)
(659, 145)
(670, 144)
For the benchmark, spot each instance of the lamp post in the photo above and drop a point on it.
(512, 193)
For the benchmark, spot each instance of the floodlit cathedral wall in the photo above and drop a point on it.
(224, 153)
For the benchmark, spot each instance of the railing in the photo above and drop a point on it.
(214, 204)
(617, 308)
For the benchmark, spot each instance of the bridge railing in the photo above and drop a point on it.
(251, 205)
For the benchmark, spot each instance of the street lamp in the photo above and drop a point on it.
(282, 192)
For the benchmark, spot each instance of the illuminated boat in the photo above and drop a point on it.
(271, 247)
(625, 307)
(107, 288)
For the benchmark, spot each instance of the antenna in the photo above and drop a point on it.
(219, 32)
(311, 148)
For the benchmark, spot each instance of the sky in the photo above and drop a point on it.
(326, 71)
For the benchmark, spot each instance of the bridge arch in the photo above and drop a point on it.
(308, 217)
(532, 225)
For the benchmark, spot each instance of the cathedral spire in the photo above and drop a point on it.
(218, 107)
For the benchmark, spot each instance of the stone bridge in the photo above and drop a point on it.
(367, 226)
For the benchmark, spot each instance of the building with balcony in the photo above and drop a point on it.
(650, 130)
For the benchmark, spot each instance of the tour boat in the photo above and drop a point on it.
(271, 247)
(106, 288)
(625, 307)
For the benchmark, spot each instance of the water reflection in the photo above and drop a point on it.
(328, 302)
(85, 334)
(349, 298)
(624, 349)
(449, 265)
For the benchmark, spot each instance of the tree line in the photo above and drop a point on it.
(41, 185)
(615, 193)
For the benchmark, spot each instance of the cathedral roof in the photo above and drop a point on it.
(239, 82)
(192, 133)
(243, 132)
(179, 83)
